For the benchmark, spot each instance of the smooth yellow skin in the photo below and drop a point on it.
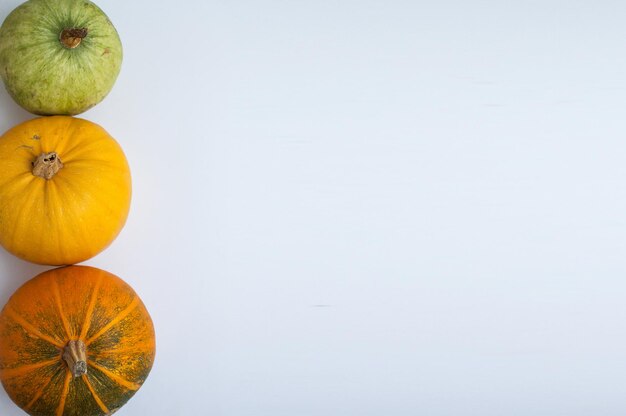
(75, 214)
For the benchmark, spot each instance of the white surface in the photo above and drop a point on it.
(372, 207)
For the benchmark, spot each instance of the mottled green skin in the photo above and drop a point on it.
(45, 77)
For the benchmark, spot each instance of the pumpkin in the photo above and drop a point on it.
(59, 57)
(74, 340)
(65, 190)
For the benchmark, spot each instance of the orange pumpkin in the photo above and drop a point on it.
(74, 341)
(65, 190)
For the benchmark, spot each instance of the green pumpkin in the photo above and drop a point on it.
(59, 56)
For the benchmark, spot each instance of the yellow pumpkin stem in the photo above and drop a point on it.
(75, 355)
(47, 165)
(71, 37)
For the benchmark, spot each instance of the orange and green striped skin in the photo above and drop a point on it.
(74, 303)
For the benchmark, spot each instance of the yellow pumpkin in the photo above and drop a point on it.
(65, 190)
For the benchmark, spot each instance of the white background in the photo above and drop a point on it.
(371, 207)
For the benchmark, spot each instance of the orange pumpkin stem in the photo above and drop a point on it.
(47, 165)
(75, 355)
(71, 37)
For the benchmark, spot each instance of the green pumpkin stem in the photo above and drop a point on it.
(71, 37)
(47, 165)
(75, 355)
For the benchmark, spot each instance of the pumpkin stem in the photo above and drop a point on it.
(71, 37)
(75, 355)
(47, 165)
